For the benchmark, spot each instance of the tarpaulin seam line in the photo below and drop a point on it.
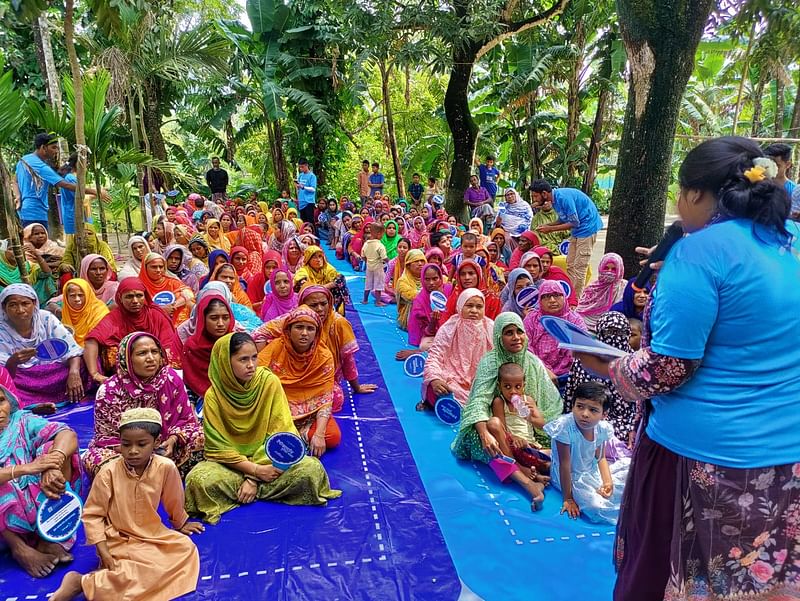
(313, 566)
(552, 539)
(500, 510)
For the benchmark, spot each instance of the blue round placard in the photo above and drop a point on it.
(52, 349)
(58, 519)
(448, 410)
(414, 366)
(285, 449)
(164, 298)
(559, 328)
(528, 297)
(438, 301)
(438, 199)
(563, 248)
(267, 288)
(479, 260)
(173, 193)
(567, 288)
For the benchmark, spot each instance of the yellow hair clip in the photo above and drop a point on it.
(756, 174)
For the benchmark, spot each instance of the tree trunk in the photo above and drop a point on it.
(80, 137)
(9, 228)
(534, 151)
(660, 39)
(101, 210)
(574, 101)
(758, 103)
(152, 119)
(794, 127)
(745, 75)
(462, 128)
(44, 56)
(386, 73)
(230, 143)
(780, 106)
(593, 158)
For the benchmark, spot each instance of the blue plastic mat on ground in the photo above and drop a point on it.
(380, 540)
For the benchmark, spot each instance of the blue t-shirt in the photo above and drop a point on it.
(727, 298)
(307, 195)
(789, 185)
(376, 178)
(34, 198)
(489, 177)
(68, 205)
(573, 206)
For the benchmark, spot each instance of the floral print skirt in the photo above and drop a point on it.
(694, 531)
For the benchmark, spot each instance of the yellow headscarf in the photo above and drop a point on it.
(238, 418)
(315, 277)
(294, 216)
(84, 320)
(222, 243)
(407, 288)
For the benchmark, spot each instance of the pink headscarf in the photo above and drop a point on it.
(275, 306)
(457, 349)
(421, 311)
(108, 290)
(598, 296)
(542, 344)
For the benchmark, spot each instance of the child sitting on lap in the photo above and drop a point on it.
(518, 430)
(580, 469)
(140, 558)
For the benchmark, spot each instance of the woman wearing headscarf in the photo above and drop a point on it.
(238, 257)
(281, 298)
(134, 312)
(283, 231)
(476, 227)
(418, 234)
(408, 286)
(526, 242)
(391, 236)
(39, 272)
(518, 279)
(306, 370)
(633, 301)
(292, 254)
(199, 249)
(470, 275)
(423, 321)
(553, 272)
(177, 259)
(600, 295)
(23, 327)
(137, 249)
(514, 215)
(614, 329)
(215, 259)
(499, 237)
(316, 271)
(52, 252)
(38, 457)
(96, 270)
(94, 245)
(144, 379)
(250, 240)
(164, 234)
(243, 407)
(394, 269)
(81, 309)
(213, 320)
(541, 343)
(189, 327)
(475, 440)
(457, 348)
(226, 273)
(493, 275)
(257, 284)
(214, 236)
(154, 276)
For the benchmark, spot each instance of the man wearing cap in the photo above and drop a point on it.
(34, 176)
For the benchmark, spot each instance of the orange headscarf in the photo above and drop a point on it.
(239, 295)
(307, 378)
(167, 284)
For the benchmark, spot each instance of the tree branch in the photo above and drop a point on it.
(513, 28)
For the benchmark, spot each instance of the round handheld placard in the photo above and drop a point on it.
(448, 410)
(567, 288)
(563, 248)
(414, 366)
(267, 288)
(479, 260)
(164, 298)
(560, 328)
(285, 449)
(438, 199)
(528, 297)
(173, 193)
(438, 301)
(58, 519)
(52, 349)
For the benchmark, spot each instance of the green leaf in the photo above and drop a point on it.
(12, 109)
(261, 14)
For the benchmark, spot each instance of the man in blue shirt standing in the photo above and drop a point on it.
(376, 180)
(34, 176)
(489, 176)
(306, 184)
(576, 212)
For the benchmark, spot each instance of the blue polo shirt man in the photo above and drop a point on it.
(577, 213)
(34, 177)
(306, 184)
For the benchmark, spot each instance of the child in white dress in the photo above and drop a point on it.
(580, 470)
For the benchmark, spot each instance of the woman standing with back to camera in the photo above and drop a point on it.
(712, 503)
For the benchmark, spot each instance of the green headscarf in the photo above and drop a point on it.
(391, 243)
(238, 418)
(484, 387)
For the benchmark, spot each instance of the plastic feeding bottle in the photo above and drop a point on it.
(520, 406)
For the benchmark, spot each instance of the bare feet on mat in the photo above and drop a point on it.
(69, 589)
(60, 553)
(405, 354)
(36, 563)
(423, 406)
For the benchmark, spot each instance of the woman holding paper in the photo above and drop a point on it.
(707, 512)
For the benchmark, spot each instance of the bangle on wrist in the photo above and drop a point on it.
(63, 454)
(13, 467)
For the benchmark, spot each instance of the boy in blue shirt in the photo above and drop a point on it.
(577, 213)
(376, 180)
(489, 176)
(306, 184)
(782, 155)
